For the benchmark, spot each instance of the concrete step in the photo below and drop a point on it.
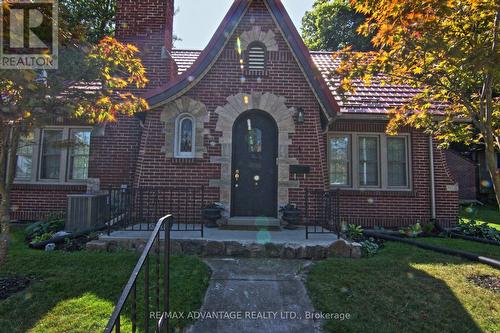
(252, 223)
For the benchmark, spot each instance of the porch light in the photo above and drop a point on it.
(299, 116)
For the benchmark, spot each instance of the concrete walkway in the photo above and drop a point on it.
(265, 295)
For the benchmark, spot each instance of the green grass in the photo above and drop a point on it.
(404, 289)
(482, 214)
(77, 292)
(492, 251)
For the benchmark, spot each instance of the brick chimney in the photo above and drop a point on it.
(148, 24)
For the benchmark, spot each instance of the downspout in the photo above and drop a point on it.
(433, 179)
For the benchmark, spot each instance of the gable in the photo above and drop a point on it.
(219, 42)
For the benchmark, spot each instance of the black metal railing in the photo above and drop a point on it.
(155, 292)
(322, 211)
(137, 209)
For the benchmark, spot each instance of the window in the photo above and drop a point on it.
(50, 165)
(340, 160)
(185, 137)
(377, 162)
(397, 162)
(59, 154)
(368, 161)
(24, 158)
(79, 154)
(256, 57)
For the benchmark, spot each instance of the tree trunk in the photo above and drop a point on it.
(491, 162)
(5, 228)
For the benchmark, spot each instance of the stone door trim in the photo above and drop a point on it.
(284, 117)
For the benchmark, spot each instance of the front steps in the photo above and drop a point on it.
(252, 223)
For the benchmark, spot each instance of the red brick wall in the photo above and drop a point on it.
(148, 24)
(35, 201)
(465, 171)
(308, 142)
(223, 80)
(395, 208)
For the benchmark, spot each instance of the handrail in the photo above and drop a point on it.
(114, 320)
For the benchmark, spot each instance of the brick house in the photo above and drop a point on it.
(254, 118)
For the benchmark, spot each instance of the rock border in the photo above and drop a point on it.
(211, 248)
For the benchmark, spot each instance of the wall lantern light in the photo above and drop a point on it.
(299, 116)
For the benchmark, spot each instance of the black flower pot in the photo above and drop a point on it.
(292, 217)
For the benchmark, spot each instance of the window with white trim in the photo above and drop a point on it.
(54, 155)
(256, 58)
(340, 160)
(377, 161)
(24, 158)
(185, 134)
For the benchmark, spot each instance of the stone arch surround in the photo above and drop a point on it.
(284, 117)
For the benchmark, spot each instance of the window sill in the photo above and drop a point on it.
(48, 185)
(369, 192)
(185, 160)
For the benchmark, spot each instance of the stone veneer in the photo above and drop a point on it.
(210, 248)
(169, 114)
(257, 35)
(284, 117)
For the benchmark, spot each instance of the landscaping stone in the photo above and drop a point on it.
(273, 250)
(50, 247)
(257, 250)
(235, 249)
(96, 246)
(214, 249)
(192, 247)
(290, 252)
(319, 252)
(340, 248)
(356, 250)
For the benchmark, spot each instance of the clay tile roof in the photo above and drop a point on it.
(375, 98)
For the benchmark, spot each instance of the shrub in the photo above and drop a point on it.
(354, 232)
(369, 247)
(412, 231)
(51, 225)
(482, 230)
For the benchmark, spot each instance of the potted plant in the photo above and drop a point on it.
(211, 213)
(291, 214)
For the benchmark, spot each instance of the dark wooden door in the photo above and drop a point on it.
(254, 169)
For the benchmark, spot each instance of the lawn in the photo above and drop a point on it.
(492, 251)
(405, 289)
(76, 292)
(482, 214)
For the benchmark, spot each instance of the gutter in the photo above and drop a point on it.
(433, 179)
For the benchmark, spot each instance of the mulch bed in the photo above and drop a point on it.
(486, 281)
(12, 285)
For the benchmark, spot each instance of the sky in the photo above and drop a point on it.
(197, 20)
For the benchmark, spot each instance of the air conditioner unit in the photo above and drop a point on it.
(86, 211)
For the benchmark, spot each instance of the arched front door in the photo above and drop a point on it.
(254, 169)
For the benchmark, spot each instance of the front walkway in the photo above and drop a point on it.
(267, 294)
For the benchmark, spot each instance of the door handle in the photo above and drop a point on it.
(236, 178)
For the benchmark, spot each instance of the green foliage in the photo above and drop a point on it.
(369, 247)
(412, 231)
(482, 230)
(354, 232)
(93, 19)
(38, 229)
(404, 289)
(331, 26)
(42, 237)
(75, 292)
(428, 228)
(448, 51)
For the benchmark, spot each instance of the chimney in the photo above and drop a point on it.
(148, 24)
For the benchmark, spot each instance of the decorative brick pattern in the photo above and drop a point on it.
(257, 35)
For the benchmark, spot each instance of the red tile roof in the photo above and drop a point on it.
(375, 98)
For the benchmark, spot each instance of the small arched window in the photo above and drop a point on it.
(184, 137)
(257, 55)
